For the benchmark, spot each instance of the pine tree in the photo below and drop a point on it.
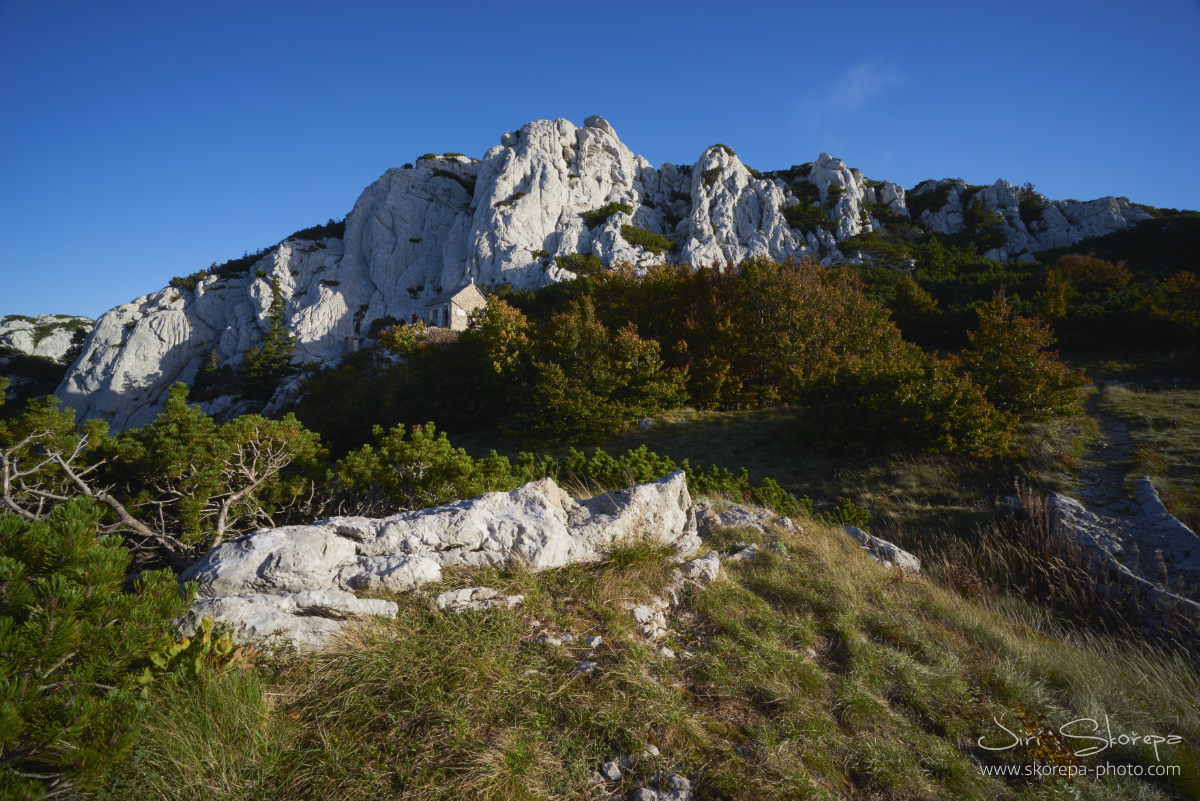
(272, 360)
(70, 641)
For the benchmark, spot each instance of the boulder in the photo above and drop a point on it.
(883, 551)
(263, 583)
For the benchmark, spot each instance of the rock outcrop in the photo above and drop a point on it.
(1147, 564)
(47, 335)
(450, 220)
(300, 581)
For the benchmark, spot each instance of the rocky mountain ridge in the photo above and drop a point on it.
(547, 192)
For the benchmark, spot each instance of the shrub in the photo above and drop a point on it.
(711, 176)
(655, 243)
(804, 216)
(542, 253)
(511, 199)
(1031, 204)
(425, 156)
(1091, 274)
(833, 193)
(932, 200)
(1007, 357)
(684, 196)
(902, 401)
(70, 638)
(597, 217)
(726, 148)
(190, 282)
(580, 263)
(334, 229)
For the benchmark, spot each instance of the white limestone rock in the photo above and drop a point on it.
(446, 222)
(537, 525)
(46, 335)
(883, 551)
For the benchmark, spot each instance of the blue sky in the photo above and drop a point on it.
(144, 140)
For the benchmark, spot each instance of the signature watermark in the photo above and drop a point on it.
(1086, 730)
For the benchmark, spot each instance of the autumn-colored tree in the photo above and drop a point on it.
(1008, 358)
(1092, 274)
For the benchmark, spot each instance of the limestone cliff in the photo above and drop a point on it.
(448, 221)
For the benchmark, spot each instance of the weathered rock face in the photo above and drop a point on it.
(301, 580)
(47, 335)
(453, 220)
(1062, 223)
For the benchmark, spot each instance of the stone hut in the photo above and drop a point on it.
(451, 309)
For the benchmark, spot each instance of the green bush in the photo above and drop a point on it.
(334, 229)
(580, 263)
(655, 243)
(933, 200)
(190, 282)
(833, 193)
(805, 216)
(902, 401)
(1008, 357)
(70, 641)
(1031, 204)
(511, 199)
(726, 148)
(597, 217)
(711, 176)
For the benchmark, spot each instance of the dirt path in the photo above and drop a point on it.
(1139, 531)
(1106, 465)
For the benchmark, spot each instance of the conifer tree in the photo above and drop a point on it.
(70, 640)
(272, 360)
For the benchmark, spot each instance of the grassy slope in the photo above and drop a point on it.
(811, 672)
(1165, 428)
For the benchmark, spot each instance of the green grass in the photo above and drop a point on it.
(1164, 425)
(810, 672)
(911, 499)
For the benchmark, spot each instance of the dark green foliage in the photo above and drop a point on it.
(513, 198)
(425, 156)
(711, 176)
(541, 254)
(266, 364)
(726, 148)
(655, 243)
(806, 216)
(985, 226)
(70, 640)
(414, 470)
(466, 183)
(677, 195)
(334, 229)
(38, 375)
(190, 282)
(650, 204)
(833, 193)
(1032, 204)
(329, 282)
(380, 324)
(901, 401)
(597, 217)
(672, 220)
(580, 263)
(932, 200)
(202, 480)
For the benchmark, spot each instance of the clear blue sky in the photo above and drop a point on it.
(144, 140)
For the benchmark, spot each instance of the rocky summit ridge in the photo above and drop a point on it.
(448, 221)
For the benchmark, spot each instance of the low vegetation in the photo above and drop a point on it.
(809, 672)
(648, 240)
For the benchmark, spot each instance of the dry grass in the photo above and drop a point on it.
(809, 672)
